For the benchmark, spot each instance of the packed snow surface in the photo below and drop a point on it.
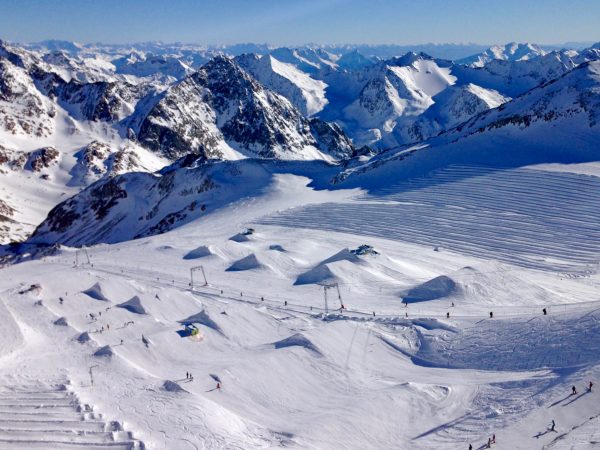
(378, 373)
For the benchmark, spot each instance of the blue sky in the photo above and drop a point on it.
(291, 22)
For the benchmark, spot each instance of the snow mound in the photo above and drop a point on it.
(438, 287)
(297, 340)
(322, 273)
(277, 248)
(199, 252)
(172, 386)
(84, 337)
(249, 262)
(343, 255)
(104, 351)
(62, 321)
(240, 237)
(318, 275)
(96, 293)
(133, 305)
(202, 318)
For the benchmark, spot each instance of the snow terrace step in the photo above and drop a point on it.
(58, 445)
(35, 417)
(53, 425)
(99, 437)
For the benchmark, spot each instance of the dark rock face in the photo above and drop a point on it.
(331, 139)
(42, 159)
(13, 159)
(5, 210)
(93, 155)
(61, 217)
(105, 196)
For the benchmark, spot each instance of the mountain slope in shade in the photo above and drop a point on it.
(134, 205)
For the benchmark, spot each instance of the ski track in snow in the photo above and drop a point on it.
(531, 218)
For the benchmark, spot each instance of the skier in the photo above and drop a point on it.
(60, 300)
(553, 425)
(590, 386)
(544, 311)
(491, 315)
(489, 444)
(494, 438)
(470, 446)
(107, 327)
(187, 375)
(218, 386)
(574, 391)
(285, 303)
(447, 315)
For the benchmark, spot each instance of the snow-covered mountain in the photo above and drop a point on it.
(512, 51)
(221, 112)
(555, 122)
(145, 65)
(452, 106)
(309, 60)
(354, 60)
(513, 78)
(304, 92)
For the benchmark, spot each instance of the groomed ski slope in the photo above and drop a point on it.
(377, 374)
(525, 216)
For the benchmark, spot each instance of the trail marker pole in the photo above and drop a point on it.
(92, 373)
